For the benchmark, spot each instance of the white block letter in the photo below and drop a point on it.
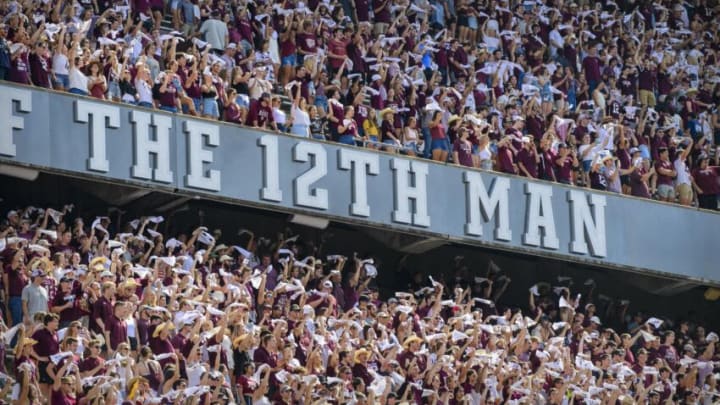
(490, 205)
(539, 214)
(11, 122)
(304, 194)
(360, 165)
(198, 157)
(585, 226)
(144, 146)
(404, 192)
(271, 171)
(100, 116)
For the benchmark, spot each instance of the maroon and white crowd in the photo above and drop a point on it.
(618, 96)
(119, 311)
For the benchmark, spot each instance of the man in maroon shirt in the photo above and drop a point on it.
(646, 83)
(116, 328)
(591, 66)
(506, 156)
(102, 309)
(261, 114)
(47, 345)
(564, 164)
(666, 173)
(306, 41)
(39, 66)
(528, 158)
(639, 178)
(382, 16)
(705, 182)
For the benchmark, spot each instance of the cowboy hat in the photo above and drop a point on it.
(165, 325)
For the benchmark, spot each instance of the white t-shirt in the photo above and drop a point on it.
(279, 116)
(77, 79)
(300, 117)
(144, 91)
(60, 64)
(683, 174)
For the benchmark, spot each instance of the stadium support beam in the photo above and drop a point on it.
(19, 172)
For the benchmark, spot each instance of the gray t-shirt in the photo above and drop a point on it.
(215, 32)
(36, 298)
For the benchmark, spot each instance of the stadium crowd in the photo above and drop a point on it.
(98, 312)
(618, 96)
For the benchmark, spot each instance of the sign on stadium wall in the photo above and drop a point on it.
(82, 136)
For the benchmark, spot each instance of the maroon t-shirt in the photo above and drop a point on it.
(505, 160)
(707, 180)
(90, 363)
(306, 42)
(383, 16)
(362, 8)
(47, 343)
(39, 70)
(638, 188)
(287, 47)
(662, 179)
(232, 113)
(117, 330)
(385, 128)
(102, 309)
(58, 398)
(527, 158)
(591, 64)
(337, 112)
(142, 6)
(17, 280)
(68, 314)
(564, 169)
(464, 151)
(245, 29)
(337, 48)
(361, 114)
(20, 69)
(263, 115)
(167, 99)
(646, 79)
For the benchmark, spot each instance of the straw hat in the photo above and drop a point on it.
(165, 325)
(359, 353)
(410, 340)
(21, 345)
(387, 111)
(98, 263)
(238, 340)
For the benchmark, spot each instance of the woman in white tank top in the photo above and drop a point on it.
(410, 137)
(60, 64)
(78, 82)
(143, 87)
(484, 153)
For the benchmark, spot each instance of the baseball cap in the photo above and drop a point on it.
(12, 214)
(376, 77)
(106, 273)
(231, 45)
(595, 319)
(327, 284)
(634, 150)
